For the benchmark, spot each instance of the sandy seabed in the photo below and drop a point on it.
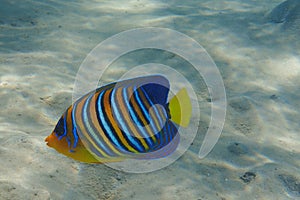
(42, 44)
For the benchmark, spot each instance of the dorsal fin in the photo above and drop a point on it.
(157, 88)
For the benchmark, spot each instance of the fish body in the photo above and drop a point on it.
(126, 119)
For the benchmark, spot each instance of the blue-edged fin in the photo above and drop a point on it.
(181, 108)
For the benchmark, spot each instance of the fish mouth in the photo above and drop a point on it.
(47, 140)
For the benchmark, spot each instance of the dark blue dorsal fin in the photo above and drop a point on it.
(157, 88)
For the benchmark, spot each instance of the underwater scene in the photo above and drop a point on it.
(150, 99)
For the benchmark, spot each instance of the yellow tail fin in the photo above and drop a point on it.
(181, 108)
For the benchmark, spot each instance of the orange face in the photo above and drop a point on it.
(61, 143)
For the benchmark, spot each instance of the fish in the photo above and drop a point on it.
(126, 119)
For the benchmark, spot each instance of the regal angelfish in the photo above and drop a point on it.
(126, 119)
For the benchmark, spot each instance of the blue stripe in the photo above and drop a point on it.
(74, 129)
(69, 141)
(169, 134)
(140, 103)
(91, 132)
(170, 131)
(160, 135)
(133, 115)
(155, 110)
(65, 130)
(106, 126)
(121, 121)
(145, 111)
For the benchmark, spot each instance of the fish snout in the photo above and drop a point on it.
(48, 140)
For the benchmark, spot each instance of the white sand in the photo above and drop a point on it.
(42, 44)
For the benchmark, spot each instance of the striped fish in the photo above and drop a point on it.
(126, 119)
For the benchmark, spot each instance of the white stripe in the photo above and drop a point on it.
(106, 126)
(135, 120)
(91, 131)
(119, 117)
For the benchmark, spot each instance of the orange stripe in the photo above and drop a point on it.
(109, 115)
(141, 116)
(80, 126)
(144, 100)
(125, 113)
(93, 117)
